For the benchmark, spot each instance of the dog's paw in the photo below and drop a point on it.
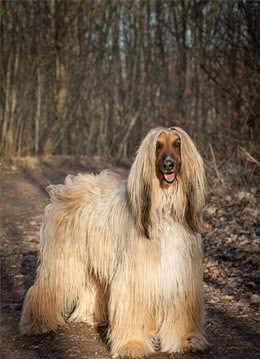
(134, 349)
(173, 345)
(193, 343)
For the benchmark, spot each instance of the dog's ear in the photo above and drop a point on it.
(193, 211)
(193, 181)
(140, 182)
(145, 208)
(139, 201)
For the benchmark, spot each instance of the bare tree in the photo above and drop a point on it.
(91, 77)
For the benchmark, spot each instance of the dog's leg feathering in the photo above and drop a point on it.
(60, 283)
(40, 313)
(181, 329)
(131, 332)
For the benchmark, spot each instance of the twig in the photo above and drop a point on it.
(249, 157)
(215, 163)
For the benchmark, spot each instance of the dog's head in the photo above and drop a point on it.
(167, 159)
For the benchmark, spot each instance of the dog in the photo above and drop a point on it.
(127, 251)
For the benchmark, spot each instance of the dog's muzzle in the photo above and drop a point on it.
(168, 169)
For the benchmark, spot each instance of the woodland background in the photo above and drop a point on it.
(81, 84)
(92, 77)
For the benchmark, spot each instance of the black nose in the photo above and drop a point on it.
(168, 164)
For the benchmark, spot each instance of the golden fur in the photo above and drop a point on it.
(125, 251)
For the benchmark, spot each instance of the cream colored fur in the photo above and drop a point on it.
(126, 252)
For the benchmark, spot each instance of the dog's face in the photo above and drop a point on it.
(168, 158)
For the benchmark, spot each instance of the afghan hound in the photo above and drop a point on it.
(127, 251)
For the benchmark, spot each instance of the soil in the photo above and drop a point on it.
(232, 267)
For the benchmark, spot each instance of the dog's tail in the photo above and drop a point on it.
(61, 275)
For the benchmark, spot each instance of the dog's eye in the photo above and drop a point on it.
(176, 143)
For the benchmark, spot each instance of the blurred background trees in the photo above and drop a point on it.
(92, 77)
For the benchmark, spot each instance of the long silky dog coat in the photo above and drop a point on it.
(126, 251)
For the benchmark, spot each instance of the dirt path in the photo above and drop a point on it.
(232, 275)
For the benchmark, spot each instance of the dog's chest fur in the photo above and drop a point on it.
(180, 251)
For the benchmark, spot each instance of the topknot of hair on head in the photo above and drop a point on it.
(172, 128)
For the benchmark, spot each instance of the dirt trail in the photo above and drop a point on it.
(233, 310)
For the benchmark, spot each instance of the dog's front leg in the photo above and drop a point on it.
(131, 325)
(182, 327)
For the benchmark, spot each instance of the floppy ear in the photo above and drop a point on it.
(140, 206)
(193, 211)
(139, 184)
(193, 181)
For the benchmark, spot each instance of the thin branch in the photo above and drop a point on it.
(249, 157)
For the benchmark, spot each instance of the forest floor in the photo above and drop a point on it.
(232, 267)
